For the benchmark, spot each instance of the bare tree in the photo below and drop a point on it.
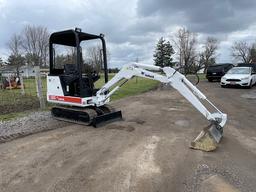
(15, 59)
(242, 51)
(186, 43)
(208, 55)
(70, 55)
(35, 43)
(94, 57)
(15, 45)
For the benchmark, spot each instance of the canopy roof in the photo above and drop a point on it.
(68, 37)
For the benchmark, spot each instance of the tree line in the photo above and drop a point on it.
(30, 47)
(193, 56)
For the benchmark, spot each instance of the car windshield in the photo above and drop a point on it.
(239, 70)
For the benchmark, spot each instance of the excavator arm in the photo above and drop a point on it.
(210, 136)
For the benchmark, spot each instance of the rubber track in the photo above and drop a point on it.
(91, 113)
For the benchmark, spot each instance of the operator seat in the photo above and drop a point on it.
(70, 80)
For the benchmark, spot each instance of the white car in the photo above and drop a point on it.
(240, 76)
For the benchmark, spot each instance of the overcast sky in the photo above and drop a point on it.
(133, 27)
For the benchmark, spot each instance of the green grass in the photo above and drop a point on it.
(12, 103)
(11, 116)
(14, 96)
(202, 76)
(134, 86)
(193, 79)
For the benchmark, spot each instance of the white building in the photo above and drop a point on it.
(24, 71)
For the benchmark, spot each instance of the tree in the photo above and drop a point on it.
(241, 51)
(15, 45)
(1, 62)
(186, 43)
(35, 43)
(94, 58)
(253, 53)
(204, 63)
(208, 55)
(31, 59)
(17, 61)
(163, 53)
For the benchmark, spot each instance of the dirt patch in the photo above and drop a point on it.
(120, 126)
(250, 95)
(138, 121)
(148, 151)
(216, 183)
(182, 123)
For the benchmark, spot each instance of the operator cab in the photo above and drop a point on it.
(77, 58)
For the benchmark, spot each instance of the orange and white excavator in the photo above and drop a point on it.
(71, 87)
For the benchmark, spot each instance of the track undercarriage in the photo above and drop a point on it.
(86, 116)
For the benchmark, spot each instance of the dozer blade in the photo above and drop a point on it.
(208, 138)
(107, 117)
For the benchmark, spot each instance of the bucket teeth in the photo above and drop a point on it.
(208, 139)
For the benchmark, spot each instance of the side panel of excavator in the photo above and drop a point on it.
(56, 95)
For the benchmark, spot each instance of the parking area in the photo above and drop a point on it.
(148, 151)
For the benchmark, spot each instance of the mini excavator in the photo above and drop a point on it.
(72, 88)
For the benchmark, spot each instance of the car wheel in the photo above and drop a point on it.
(223, 86)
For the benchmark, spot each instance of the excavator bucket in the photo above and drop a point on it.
(208, 138)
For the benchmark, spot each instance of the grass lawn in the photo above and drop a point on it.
(14, 96)
(202, 76)
(13, 104)
(134, 86)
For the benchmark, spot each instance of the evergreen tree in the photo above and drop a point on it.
(17, 61)
(253, 53)
(163, 53)
(1, 62)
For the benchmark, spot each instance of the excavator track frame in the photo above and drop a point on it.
(86, 116)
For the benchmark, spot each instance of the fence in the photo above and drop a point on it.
(18, 94)
(30, 92)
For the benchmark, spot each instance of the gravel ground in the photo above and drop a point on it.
(148, 151)
(250, 95)
(32, 123)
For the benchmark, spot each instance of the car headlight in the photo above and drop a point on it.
(245, 78)
(223, 78)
